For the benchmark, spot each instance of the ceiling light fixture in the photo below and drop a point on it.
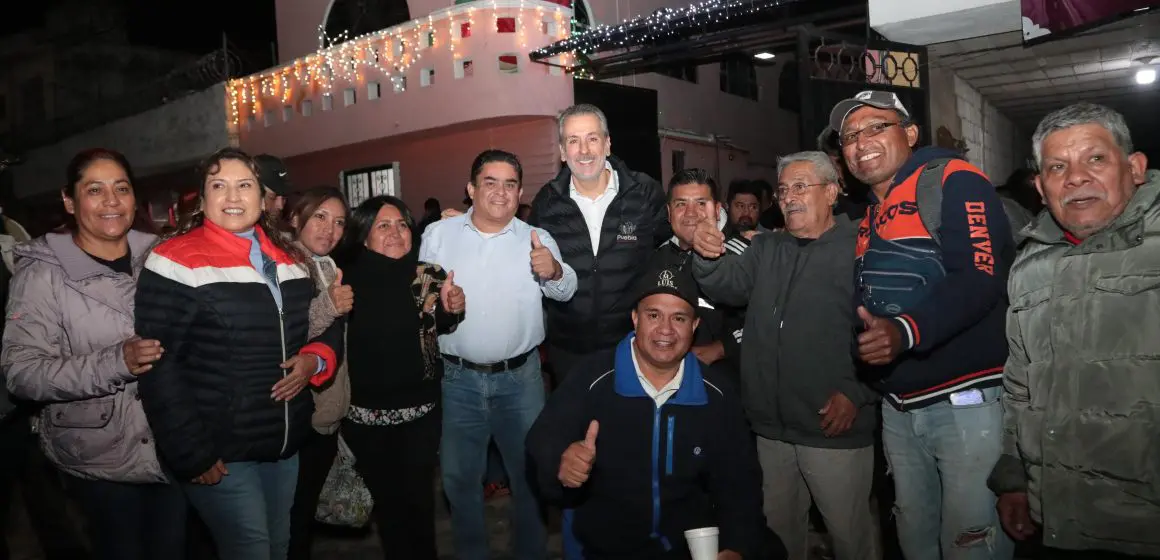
(764, 56)
(1145, 76)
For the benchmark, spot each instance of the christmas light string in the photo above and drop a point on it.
(389, 52)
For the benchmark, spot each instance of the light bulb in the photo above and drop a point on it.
(1145, 76)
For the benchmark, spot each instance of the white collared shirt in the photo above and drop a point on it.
(594, 209)
(662, 395)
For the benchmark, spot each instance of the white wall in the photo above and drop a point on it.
(923, 23)
(993, 142)
(157, 140)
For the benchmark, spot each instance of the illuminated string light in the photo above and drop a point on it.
(388, 52)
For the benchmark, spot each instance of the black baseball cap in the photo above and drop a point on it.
(668, 281)
(868, 98)
(273, 175)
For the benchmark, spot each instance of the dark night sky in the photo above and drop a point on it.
(194, 27)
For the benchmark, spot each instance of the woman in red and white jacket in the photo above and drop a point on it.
(228, 297)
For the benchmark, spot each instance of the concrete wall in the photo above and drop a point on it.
(995, 144)
(155, 141)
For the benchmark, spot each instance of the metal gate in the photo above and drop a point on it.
(832, 67)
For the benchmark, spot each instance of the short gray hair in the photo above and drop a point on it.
(823, 165)
(582, 109)
(1079, 114)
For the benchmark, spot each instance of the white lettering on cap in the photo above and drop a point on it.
(665, 280)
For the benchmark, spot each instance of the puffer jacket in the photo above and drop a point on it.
(332, 400)
(1081, 408)
(68, 318)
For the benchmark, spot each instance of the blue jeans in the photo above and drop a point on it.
(940, 457)
(476, 407)
(248, 512)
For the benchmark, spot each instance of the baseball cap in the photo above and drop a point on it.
(272, 174)
(871, 98)
(670, 281)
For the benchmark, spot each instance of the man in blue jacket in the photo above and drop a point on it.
(645, 444)
(933, 255)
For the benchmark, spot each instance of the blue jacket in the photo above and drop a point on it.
(954, 335)
(659, 471)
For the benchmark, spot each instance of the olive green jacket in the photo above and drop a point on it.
(1081, 407)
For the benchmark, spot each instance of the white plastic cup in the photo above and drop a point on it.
(703, 542)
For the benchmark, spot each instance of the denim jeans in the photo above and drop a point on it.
(476, 407)
(248, 512)
(941, 457)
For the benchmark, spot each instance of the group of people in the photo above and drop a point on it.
(708, 372)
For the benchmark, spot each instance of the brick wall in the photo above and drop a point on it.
(993, 142)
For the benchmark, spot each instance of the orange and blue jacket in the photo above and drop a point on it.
(953, 324)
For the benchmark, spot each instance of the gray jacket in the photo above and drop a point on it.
(799, 332)
(1081, 409)
(67, 319)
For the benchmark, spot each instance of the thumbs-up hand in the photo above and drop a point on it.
(452, 295)
(576, 463)
(341, 296)
(881, 342)
(544, 265)
(708, 241)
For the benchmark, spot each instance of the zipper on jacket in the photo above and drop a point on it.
(656, 480)
(285, 404)
(669, 446)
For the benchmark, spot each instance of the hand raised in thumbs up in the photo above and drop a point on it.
(544, 265)
(341, 296)
(881, 342)
(576, 463)
(452, 295)
(708, 241)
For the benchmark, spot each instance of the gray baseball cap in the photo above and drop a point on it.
(871, 98)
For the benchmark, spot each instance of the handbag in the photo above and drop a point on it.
(345, 500)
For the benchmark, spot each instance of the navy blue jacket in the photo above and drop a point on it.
(954, 338)
(659, 471)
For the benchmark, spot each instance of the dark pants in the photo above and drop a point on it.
(1054, 554)
(132, 521)
(563, 361)
(23, 464)
(315, 459)
(397, 463)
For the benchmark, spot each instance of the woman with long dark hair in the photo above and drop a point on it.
(228, 297)
(395, 371)
(69, 341)
(318, 220)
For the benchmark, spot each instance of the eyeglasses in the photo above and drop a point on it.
(796, 189)
(868, 132)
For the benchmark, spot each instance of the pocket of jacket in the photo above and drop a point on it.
(83, 414)
(1128, 284)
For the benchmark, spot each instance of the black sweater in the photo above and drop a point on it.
(659, 471)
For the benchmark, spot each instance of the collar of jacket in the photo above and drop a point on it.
(77, 264)
(241, 245)
(626, 181)
(1125, 231)
(691, 393)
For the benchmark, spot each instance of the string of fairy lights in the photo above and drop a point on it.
(388, 53)
(661, 24)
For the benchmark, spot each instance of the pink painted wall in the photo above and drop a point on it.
(437, 163)
(488, 93)
(724, 163)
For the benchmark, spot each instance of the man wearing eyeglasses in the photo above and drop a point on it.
(814, 420)
(933, 255)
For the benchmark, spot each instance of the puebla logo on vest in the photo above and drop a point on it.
(626, 233)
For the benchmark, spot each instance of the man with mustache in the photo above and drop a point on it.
(814, 420)
(743, 204)
(693, 201)
(931, 303)
(1081, 400)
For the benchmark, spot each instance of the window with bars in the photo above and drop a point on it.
(739, 77)
(361, 184)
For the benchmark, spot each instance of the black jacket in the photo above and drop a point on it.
(798, 333)
(208, 397)
(636, 223)
(688, 464)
